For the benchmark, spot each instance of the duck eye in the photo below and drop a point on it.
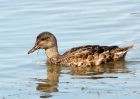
(43, 39)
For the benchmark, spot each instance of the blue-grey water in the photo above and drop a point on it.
(74, 23)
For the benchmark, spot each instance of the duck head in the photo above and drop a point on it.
(44, 40)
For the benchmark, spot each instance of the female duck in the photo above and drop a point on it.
(89, 55)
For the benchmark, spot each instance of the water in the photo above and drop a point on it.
(74, 22)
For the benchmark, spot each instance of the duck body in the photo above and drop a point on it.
(83, 56)
(90, 55)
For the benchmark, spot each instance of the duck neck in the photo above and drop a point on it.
(52, 52)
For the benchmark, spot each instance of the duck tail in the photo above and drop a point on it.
(121, 52)
(125, 49)
(129, 47)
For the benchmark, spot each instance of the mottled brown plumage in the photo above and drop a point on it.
(83, 56)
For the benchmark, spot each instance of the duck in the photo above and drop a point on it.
(82, 56)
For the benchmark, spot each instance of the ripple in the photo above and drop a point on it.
(74, 22)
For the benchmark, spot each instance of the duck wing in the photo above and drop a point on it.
(90, 48)
(84, 55)
(93, 55)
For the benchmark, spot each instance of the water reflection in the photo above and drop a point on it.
(117, 67)
(51, 84)
(53, 73)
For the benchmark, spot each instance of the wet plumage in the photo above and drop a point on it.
(89, 55)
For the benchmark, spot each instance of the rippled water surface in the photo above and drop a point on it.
(75, 23)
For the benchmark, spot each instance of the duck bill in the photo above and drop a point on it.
(32, 50)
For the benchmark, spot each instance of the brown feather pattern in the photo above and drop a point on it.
(91, 55)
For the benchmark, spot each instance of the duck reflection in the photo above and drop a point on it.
(116, 67)
(51, 84)
(53, 74)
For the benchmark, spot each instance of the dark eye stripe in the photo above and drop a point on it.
(43, 39)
